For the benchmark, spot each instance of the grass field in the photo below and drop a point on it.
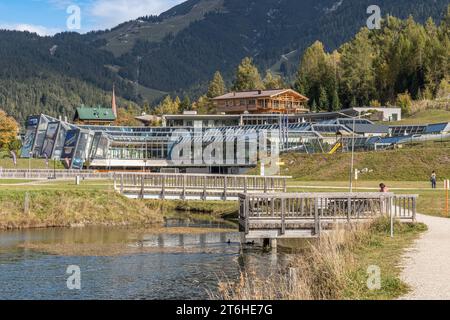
(13, 181)
(430, 202)
(426, 117)
(7, 163)
(407, 164)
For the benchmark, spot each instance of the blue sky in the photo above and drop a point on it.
(47, 17)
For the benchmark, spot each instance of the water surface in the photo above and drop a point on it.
(123, 263)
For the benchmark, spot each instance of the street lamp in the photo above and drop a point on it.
(352, 164)
(353, 153)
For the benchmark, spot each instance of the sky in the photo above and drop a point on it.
(47, 17)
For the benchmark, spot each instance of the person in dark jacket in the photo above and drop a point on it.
(433, 180)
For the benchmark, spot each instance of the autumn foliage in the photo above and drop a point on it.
(8, 129)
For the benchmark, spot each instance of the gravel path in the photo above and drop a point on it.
(427, 263)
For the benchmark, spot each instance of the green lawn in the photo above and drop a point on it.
(407, 164)
(426, 117)
(66, 185)
(13, 181)
(377, 248)
(7, 163)
(431, 202)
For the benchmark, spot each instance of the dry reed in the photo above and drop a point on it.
(319, 273)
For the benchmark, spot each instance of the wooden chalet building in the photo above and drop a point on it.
(97, 116)
(279, 101)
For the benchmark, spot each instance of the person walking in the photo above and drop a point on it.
(433, 179)
(384, 201)
(383, 188)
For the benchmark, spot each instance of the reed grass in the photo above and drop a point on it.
(333, 267)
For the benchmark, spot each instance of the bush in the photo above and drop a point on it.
(404, 101)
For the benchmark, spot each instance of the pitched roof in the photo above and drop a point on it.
(368, 128)
(96, 113)
(257, 94)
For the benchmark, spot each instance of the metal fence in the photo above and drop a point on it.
(53, 174)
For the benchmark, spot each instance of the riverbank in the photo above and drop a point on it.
(337, 266)
(50, 206)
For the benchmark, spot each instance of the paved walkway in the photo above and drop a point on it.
(427, 263)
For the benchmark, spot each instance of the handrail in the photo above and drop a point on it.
(289, 211)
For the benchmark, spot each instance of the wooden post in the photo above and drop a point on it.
(225, 190)
(247, 214)
(349, 209)
(284, 185)
(183, 195)
(142, 187)
(245, 184)
(392, 223)
(316, 217)
(283, 213)
(265, 185)
(204, 189)
(163, 189)
(26, 204)
(121, 183)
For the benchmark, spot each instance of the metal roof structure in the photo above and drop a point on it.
(95, 113)
(367, 128)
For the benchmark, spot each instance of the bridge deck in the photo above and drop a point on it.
(191, 186)
(284, 215)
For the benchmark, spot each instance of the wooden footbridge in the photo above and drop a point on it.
(195, 186)
(306, 215)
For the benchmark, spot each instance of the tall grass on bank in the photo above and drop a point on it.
(333, 267)
(65, 208)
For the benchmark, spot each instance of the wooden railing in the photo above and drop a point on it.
(284, 214)
(195, 186)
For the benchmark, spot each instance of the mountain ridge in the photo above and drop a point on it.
(181, 58)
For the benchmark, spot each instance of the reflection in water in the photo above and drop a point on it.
(163, 274)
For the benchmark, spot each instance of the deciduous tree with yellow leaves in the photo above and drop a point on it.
(8, 129)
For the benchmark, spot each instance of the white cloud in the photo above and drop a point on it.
(40, 30)
(110, 13)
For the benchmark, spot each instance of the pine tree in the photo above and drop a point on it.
(185, 104)
(335, 102)
(314, 106)
(317, 77)
(216, 87)
(247, 77)
(358, 72)
(168, 106)
(273, 81)
(323, 99)
(203, 105)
